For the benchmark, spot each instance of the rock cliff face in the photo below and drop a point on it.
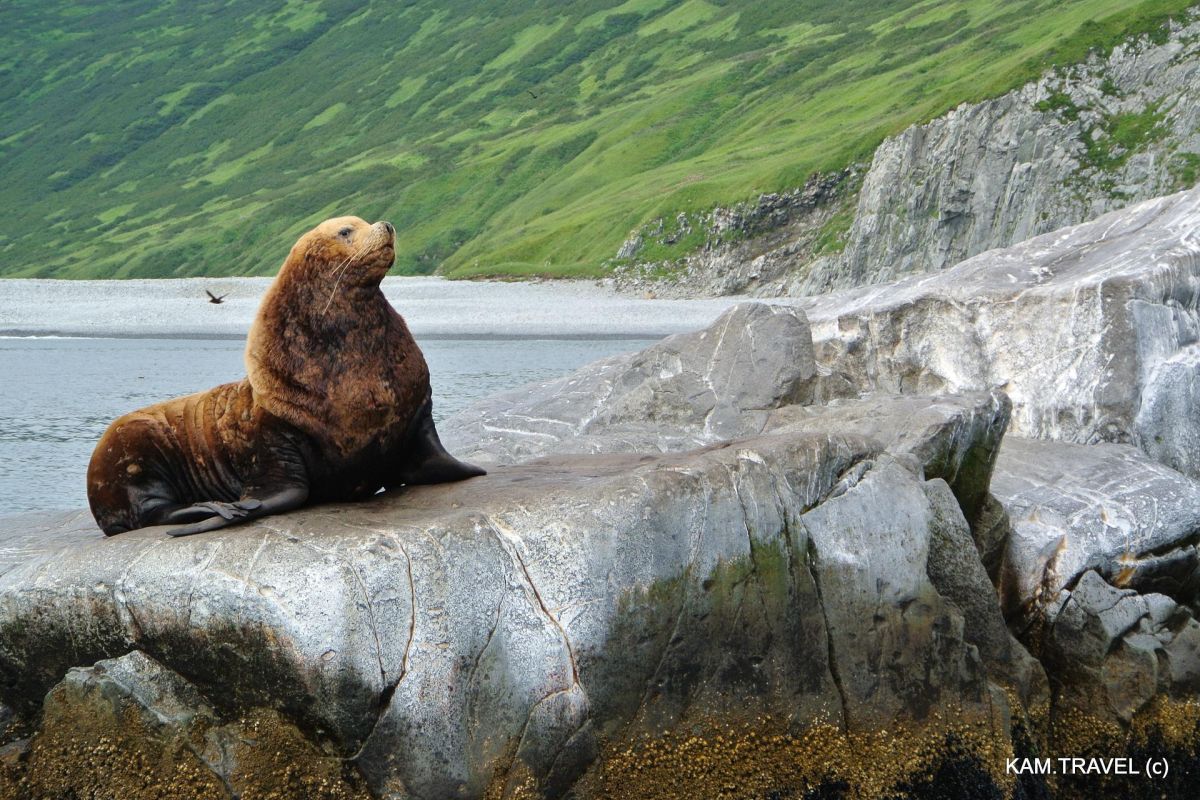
(1079, 142)
(794, 554)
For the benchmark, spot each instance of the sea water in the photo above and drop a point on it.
(58, 394)
(74, 355)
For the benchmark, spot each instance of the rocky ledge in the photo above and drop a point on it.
(792, 555)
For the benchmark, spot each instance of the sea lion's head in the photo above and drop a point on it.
(343, 252)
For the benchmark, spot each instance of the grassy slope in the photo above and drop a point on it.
(153, 138)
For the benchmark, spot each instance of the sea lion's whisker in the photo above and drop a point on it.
(340, 269)
(345, 262)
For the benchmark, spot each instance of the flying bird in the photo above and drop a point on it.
(531, 94)
(212, 298)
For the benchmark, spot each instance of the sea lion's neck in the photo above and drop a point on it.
(305, 345)
(326, 309)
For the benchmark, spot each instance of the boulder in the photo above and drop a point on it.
(1105, 508)
(129, 727)
(1119, 657)
(1116, 650)
(688, 390)
(553, 625)
(1090, 331)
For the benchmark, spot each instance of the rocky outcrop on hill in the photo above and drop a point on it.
(1079, 142)
(747, 248)
(793, 554)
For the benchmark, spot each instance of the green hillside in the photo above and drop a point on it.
(161, 139)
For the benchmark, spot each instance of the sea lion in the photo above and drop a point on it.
(335, 406)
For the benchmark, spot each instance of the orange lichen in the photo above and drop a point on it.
(93, 748)
(760, 757)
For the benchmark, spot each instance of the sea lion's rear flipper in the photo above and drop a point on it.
(424, 460)
(213, 515)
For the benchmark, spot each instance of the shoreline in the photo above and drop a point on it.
(433, 307)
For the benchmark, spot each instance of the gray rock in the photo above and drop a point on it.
(868, 564)
(1112, 651)
(1173, 393)
(750, 372)
(129, 727)
(686, 391)
(956, 572)
(509, 628)
(1086, 329)
(630, 247)
(1105, 508)
(952, 437)
(170, 701)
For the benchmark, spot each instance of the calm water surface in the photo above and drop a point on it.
(57, 395)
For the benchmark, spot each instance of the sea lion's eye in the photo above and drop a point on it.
(345, 232)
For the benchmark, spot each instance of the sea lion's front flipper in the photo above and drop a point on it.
(213, 515)
(423, 459)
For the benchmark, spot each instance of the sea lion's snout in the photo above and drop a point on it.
(385, 237)
(385, 233)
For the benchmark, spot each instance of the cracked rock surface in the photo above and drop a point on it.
(500, 632)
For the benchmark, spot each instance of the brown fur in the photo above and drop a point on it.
(327, 352)
(335, 381)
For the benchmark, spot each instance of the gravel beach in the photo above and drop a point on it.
(432, 307)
